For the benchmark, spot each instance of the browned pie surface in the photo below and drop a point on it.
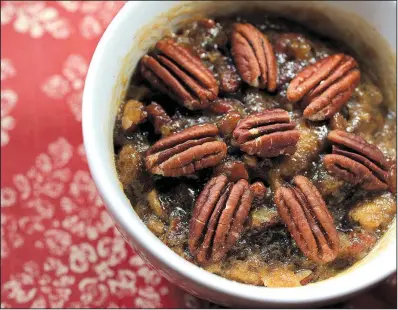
(266, 254)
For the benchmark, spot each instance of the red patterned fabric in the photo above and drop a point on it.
(59, 247)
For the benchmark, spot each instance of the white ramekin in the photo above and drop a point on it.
(124, 42)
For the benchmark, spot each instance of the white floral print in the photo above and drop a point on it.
(8, 197)
(57, 241)
(148, 298)
(102, 260)
(96, 15)
(9, 99)
(7, 69)
(70, 84)
(44, 286)
(92, 292)
(35, 18)
(86, 217)
(45, 180)
(150, 276)
(35, 191)
(11, 238)
(81, 256)
(99, 263)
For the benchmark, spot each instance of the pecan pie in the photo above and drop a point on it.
(258, 151)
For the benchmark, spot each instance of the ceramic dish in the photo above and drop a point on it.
(137, 26)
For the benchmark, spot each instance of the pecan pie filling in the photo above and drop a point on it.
(258, 150)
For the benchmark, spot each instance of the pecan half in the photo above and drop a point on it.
(185, 152)
(254, 57)
(267, 134)
(357, 161)
(325, 86)
(175, 71)
(308, 220)
(218, 217)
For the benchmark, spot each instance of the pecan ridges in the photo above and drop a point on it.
(218, 217)
(357, 161)
(175, 71)
(308, 220)
(185, 152)
(325, 86)
(267, 134)
(254, 57)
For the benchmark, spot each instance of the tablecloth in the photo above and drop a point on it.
(59, 247)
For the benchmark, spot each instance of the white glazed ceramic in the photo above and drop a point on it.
(126, 40)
